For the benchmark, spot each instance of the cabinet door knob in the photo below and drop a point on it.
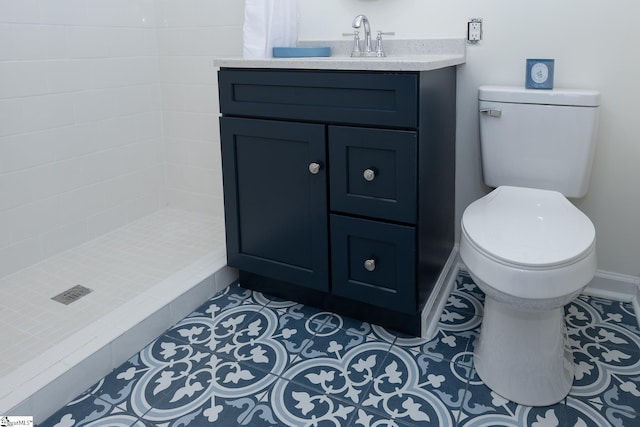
(369, 175)
(314, 168)
(370, 264)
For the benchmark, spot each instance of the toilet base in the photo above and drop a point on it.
(523, 355)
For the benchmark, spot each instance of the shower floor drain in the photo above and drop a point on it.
(72, 294)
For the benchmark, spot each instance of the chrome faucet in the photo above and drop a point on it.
(357, 23)
(368, 51)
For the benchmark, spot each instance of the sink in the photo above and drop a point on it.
(301, 52)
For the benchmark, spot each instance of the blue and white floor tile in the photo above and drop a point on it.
(247, 359)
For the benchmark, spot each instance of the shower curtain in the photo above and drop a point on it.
(268, 23)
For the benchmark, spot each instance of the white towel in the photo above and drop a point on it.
(268, 23)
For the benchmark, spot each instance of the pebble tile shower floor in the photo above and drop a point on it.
(248, 359)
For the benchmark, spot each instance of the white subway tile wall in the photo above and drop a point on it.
(108, 112)
(190, 34)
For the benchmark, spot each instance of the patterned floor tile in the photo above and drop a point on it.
(255, 412)
(452, 342)
(118, 385)
(298, 324)
(607, 377)
(248, 359)
(364, 418)
(87, 409)
(221, 392)
(346, 323)
(272, 300)
(262, 341)
(466, 296)
(218, 390)
(589, 322)
(164, 371)
(612, 312)
(232, 296)
(606, 358)
(458, 328)
(415, 390)
(313, 398)
(483, 407)
(295, 308)
(344, 373)
(173, 382)
(338, 335)
(217, 320)
(593, 414)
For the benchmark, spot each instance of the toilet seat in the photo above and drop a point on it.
(528, 243)
(528, 227)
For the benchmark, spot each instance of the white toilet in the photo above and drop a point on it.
(526, 246)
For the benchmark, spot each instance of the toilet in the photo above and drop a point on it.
(525, 244)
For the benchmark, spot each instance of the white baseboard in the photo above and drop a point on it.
(614, 286)
(433, 308)
(617, 287)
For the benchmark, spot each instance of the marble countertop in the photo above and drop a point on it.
(402, 55)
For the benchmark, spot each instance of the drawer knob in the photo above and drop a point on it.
(370, 264)
(314, 168)
(369, 175)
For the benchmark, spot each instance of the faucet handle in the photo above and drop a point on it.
(379, 49)
(356, 42)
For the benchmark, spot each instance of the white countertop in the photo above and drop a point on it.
(402, 55)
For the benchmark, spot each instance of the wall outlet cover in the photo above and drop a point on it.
(474, 30)
(539, 74)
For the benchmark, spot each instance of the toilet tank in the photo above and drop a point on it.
(538, 138)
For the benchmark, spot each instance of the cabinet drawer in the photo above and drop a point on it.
(385, 99)
(373, 172)
(374, 262)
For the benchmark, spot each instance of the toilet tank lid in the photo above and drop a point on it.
(520, 95)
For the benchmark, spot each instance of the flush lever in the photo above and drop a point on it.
(493, 112)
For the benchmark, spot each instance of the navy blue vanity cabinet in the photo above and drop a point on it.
(339, 186)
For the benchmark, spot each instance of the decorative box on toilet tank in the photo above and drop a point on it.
(339, 186)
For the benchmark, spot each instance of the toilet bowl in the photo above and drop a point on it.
(531, 251)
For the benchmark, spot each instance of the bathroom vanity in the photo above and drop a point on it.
(339, 183)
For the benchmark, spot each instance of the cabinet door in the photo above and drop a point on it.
(276, 200)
